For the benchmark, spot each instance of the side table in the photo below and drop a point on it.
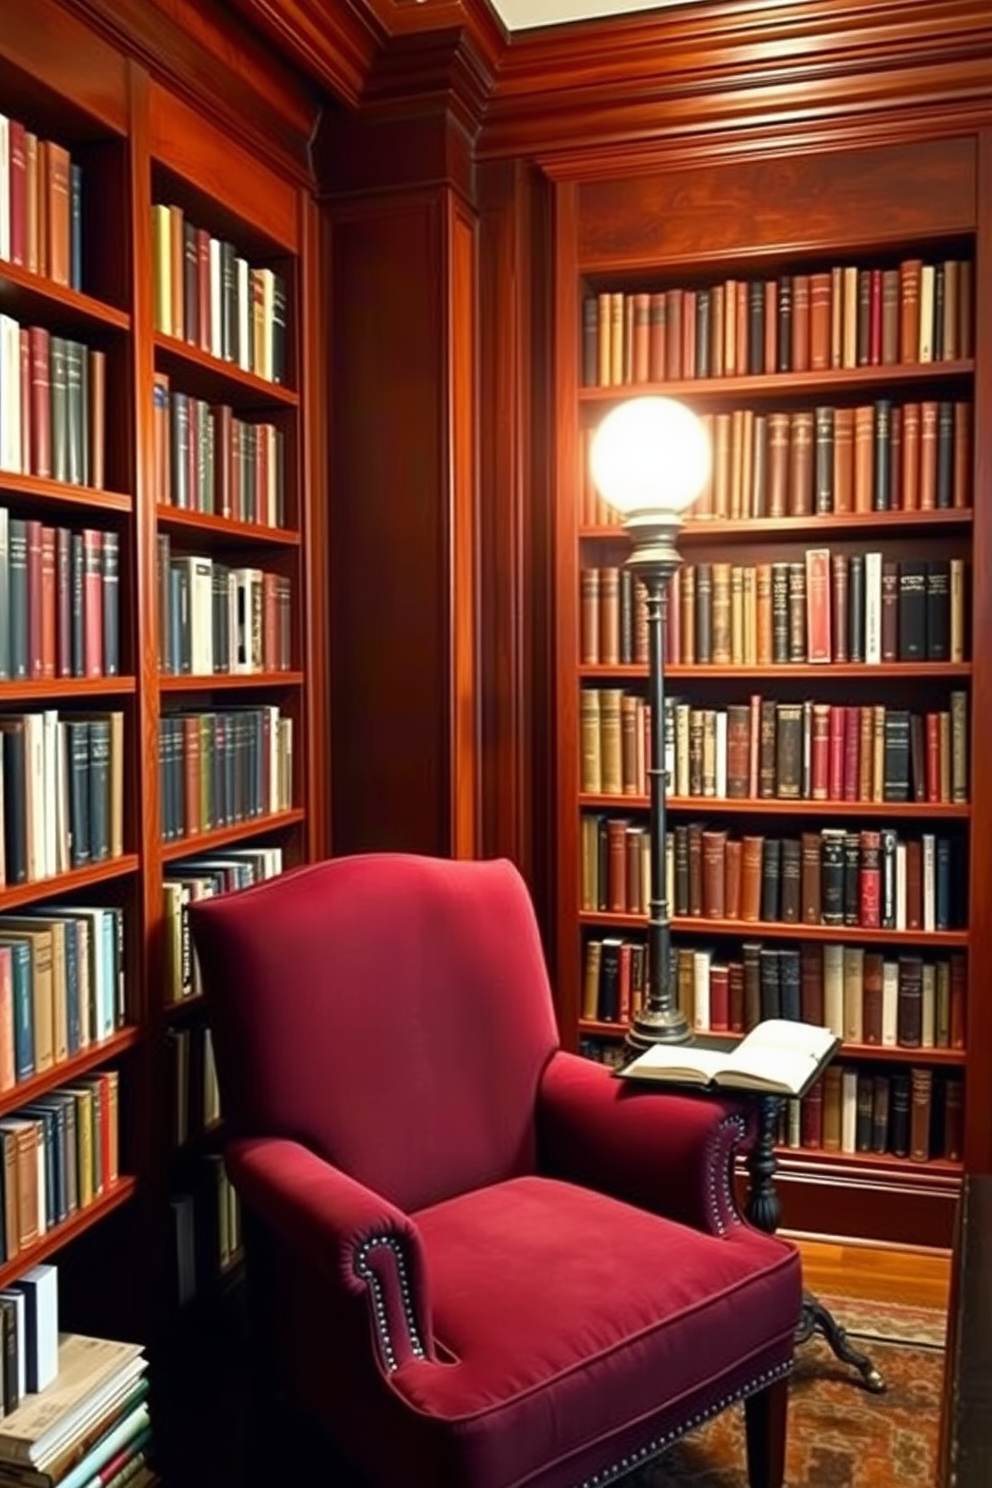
(764, 1210)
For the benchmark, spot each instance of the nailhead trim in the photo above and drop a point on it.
(662, 1443)
(719, 1190)
(365, 1271)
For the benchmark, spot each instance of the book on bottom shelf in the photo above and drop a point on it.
(778, 1057)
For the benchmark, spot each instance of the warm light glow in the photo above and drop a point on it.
(650, 455)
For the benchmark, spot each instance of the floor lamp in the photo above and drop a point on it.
(650, 459)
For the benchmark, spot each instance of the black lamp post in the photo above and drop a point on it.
(651, 459)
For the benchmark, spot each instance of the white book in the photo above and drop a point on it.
(244, 313)
(35, 793)
(929, 882)
(50, 754)
(10, 394)
(928, 1006)
(890, 1004)
(873, 608)
(701, 963)
(721, 755)
(778, 1055)
(849, 1110)
(833, 988)
(900, 885)
(4, 186)
(682, 749)
(926, 313)
(216, 291)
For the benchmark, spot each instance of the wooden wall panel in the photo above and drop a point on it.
(390, 735)
(463, 526)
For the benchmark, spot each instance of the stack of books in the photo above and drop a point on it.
(88, 1428)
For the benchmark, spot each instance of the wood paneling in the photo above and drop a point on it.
(465, 701)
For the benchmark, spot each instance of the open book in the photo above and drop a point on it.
(777, 1056)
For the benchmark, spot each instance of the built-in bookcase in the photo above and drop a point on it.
(154, 651)
(821, 666)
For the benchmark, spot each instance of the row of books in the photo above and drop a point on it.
(29, 1337)
(62, 985)
(219, 619)
(204, 878)
(59, 600)
(861, 995)
(208, 460)
(871, 878)
(770, 750)
(207, 294)
(876, 457)
(823, 607)
(61, 792)
(195, 1097)
(220, 768)
(41, 190)
(58, 1154)
(207, 1231)
(845, 315)
(53, 405)
(89, 1427)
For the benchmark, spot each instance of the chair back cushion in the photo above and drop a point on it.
(391, 1011)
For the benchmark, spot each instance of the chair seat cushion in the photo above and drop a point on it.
(564, 1315)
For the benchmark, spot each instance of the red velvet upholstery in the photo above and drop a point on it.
(485, 1263)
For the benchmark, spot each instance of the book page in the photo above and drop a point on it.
(677, 1062)
(779, 1053)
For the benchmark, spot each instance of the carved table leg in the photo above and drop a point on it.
(764, 1210)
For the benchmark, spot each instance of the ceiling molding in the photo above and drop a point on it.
(336, 42)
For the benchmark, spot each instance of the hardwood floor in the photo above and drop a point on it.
(879, 1273)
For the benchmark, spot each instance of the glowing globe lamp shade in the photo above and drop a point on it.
(650, 455)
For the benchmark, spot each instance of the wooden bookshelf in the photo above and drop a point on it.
(596, 216)
(137, 141)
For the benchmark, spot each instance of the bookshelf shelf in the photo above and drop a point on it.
(211, 528)
(230, 681)
(186, 847)
(206, 376)
(823, 1161)
(36, 689)
(29, 296)
(76, 880)
(775, 930)
(67, 1071)
(700, 390)
(885, 1053)
(722, 806)
(881, 525)
(176, 1010)
(38, 488)
(834, 672)
(60, 1235)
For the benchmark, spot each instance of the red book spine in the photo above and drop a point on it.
(871, 880)
(875, 319)
(63, 602)
(811, 1117)
(735, 996)
(720, 999)
(18, 192)
(820, 753)
(92, 603)
(48, 602)
(835, 767)
(852, 752)
(933, 756)
(41, 422)
(33, 528)
(624, 988)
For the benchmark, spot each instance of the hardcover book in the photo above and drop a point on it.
(778, 1056)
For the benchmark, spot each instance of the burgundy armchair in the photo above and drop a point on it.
(484, 1262)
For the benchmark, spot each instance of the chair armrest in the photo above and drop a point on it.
(669, 1153)
(346, 1232)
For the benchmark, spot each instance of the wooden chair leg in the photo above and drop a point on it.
(765, 1420)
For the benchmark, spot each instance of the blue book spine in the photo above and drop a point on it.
(72, 1021)
(76, 226)
(20, 960)
(108, 991)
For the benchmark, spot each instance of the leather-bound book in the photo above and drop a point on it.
(811, 983)
(609, 615)
(910, 271)
(788, 751)
(818, 596)
(611, 740)
(657, 338)
(863, 332)
(839, 619)
(790, 983)
(764, 615)
(820, 752)
(778, 464)
(752, 860)
(636, 898)
(910, 1007)
(889, 859)
(801, 330)
(928, 455)
(811, 1116)
(695, 841)
(733, 877)
(751, 953)
(718, 577)
(882, 455)
(673, 334)
(685, 981)
(771, 991)
(959, 746)
(681, 895)
(590, 980)
(913, 603)
(590, 736)
(880, 1113)
(790, 903)
(837, 733)
(852, 878)
(871, 880)
(899, 1114)
(783, 358)
(890, 610)
(856, 607)
(872, 1012)
(832, 874)
(938, 617)
(832, 1077)
(589, 610)
(810, 877)
(767, 748)
(843, 460)
(897, 755)
(854, 983)
(866, 753)
(771, 878)
(910, 456)
(771, 326)
(945, 455)
(609, 979)
(953, 1106)
(865, 1106)
(833, 988)
(801, 463)
(616, 865)
(735, 983)
(819, 321)
(921, 1113)
(719, 997)
(864, 458)
(713, 850)
(738, 750)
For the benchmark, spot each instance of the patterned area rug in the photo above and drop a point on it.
(840, 1436)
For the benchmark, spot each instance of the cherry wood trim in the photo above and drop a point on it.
(225, 378)
(897, 1054)
(705, 529)
(228, 681)
(936, 940)
(764, 806)
(841, 671)
(70, 60)
(207, 524)
(850, 1199)
(337, 55)
(39, 487)
(14, 895)
(232, 836)
(778, 384)
(26, 295)
(93, 1057)
(67, 687)
(60, 1234)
